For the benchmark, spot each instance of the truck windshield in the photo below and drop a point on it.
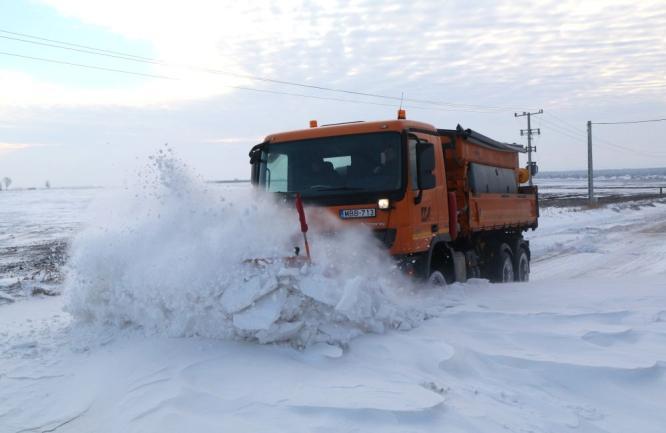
(334, 165)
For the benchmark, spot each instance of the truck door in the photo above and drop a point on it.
(426, 202)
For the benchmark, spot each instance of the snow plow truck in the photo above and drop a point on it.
(448, 204)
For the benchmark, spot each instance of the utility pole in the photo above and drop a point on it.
(590, 172)
(529, 132)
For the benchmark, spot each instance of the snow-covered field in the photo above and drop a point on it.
(146, 337)
(606, 183)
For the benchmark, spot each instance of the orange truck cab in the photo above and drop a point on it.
(447, 203)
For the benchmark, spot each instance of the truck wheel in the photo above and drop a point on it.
(504, 265)
(436, 279)
(522, 265)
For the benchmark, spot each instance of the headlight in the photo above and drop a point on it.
(383, 203)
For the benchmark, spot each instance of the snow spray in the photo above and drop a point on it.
(166, 254)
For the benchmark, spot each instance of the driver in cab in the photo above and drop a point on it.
(388, 162)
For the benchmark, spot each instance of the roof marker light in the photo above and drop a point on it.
(402, 114)
(313, 124)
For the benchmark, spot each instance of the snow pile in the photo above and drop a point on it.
(167, 256)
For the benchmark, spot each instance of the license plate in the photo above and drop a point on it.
(358, 213)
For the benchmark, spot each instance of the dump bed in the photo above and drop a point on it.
(483, 173)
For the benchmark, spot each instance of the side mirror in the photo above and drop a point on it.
(255, 152)
(425, 164)
(534, 168)
(255, 161)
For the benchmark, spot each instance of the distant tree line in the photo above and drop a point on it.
(7, 181)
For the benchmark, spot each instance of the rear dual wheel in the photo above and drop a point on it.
(504, 265)
(522, 265)
(510, 267)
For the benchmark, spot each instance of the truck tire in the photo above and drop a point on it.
(504, 271)
(522, 265)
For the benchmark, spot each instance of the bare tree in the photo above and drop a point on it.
(7, 182)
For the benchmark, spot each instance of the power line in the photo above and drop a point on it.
(571, 127)
(434, 108)
(80, 65)
(555, 127)
(571, 133)
(275, 92)
(71, 44)
(562, 127)
(615, 145)
(577, 135)
(131, 57)
(563, 133)
(627, 122)
(590, 172)
(605, 142)
(564, 124)
(85, 50)
(638, 152)
(330, 98)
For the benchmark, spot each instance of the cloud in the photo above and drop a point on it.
(557, 51)
(581, 60)
(19, 89)
(11, 147)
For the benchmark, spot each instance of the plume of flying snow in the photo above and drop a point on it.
(167, 254)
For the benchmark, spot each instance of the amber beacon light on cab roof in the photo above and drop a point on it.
(447, 203)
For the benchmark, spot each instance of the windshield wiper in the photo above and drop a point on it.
(334, 188)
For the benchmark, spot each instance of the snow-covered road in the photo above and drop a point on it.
(582, 347)
(621, 240)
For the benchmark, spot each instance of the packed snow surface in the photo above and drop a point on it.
(582, 347)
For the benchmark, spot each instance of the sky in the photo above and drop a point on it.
(207, 78)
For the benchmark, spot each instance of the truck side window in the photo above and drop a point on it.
(411, 148)
(276, 173)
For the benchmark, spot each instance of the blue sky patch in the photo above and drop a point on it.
(36, 19)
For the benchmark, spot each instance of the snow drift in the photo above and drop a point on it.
(166, 255)
(582, 347)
